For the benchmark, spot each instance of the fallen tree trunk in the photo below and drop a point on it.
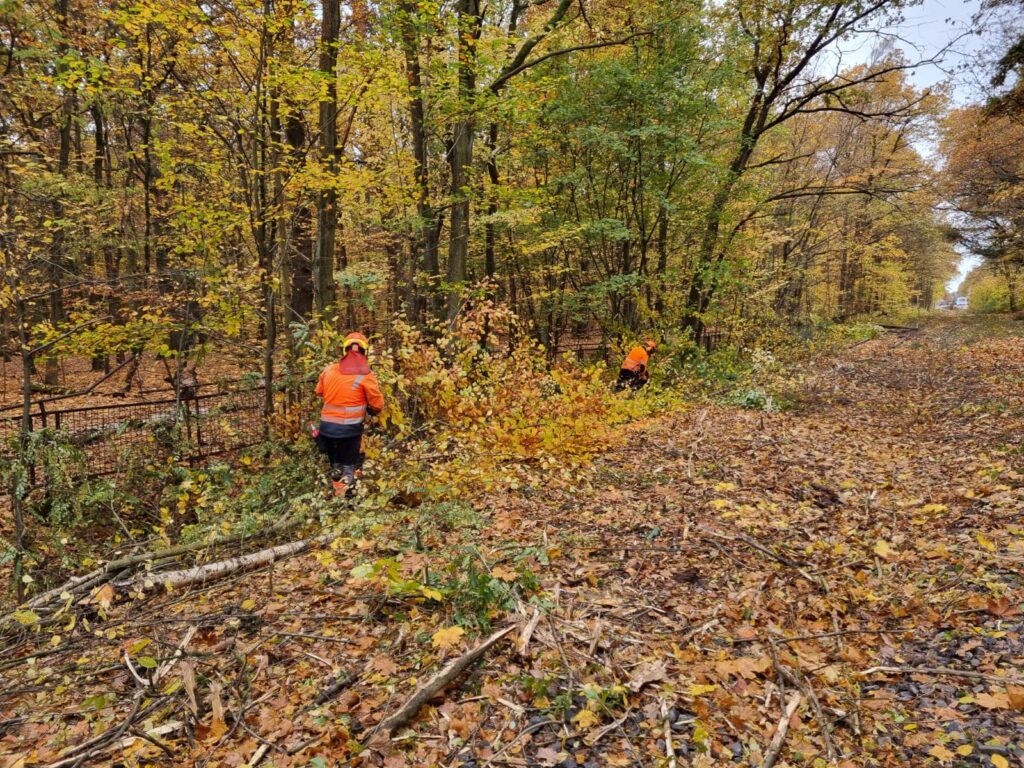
(94, 577)
(203, 574)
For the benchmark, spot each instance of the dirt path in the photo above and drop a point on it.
(718, 565)
(889, 499)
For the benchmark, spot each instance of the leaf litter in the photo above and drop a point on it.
(836, 584)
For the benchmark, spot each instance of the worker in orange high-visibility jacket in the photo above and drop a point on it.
(634, 372)
(350, 393)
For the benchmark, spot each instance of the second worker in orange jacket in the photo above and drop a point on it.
(633, 372)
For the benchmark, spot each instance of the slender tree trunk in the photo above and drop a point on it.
(424, 249)
(661, 246)
(460, 157)
(24, 434)
(58, 263)
(300, 239)
(266, 158)
(490, 230)
(327, 203)
(99, 177)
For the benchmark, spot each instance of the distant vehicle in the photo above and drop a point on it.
(961, 302)
(943, 304)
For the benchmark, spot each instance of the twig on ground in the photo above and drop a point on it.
(81, 583)
(824, 723)
(526, 731)
(531, 625)
(201, 574)
(670, 752)
(943, 671)
(754, 544)
(592, 740)
(775, 746)
(340, 684)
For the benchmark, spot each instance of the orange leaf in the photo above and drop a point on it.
(1015, 695)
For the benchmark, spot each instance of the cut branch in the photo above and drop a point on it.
(437, 683)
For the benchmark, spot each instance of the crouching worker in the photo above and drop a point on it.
(634, 372)
(350, 392)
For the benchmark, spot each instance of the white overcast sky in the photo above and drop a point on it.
(945, 30)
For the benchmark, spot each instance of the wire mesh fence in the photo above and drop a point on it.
(216, 419)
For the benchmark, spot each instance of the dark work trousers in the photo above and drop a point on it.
(342, 451)
(628, 378)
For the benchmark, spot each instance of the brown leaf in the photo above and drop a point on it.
(1015, 695)
(992, 701)
(547, 756)
(105, 595)
(746, 632)
(217, 727)
(491, 690)
(1002, 607)
(649, 672)
(188, 682)
(384, 665)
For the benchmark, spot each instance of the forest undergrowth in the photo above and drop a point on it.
(819, 565)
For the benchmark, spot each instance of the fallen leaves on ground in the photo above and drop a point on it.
(863, 548)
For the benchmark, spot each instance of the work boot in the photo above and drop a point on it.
(339, 482)
(349, 478)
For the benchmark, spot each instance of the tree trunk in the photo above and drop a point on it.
(490, 230)
(424, 247)
(58, 264)
(300, 235)
(266, 158)
(327, 203)
(460, 157)
(99, 176)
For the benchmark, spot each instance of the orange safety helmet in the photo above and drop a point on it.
(356, 338)
(650, 346)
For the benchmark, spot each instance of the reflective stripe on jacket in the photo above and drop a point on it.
(636, 360)
(348, 397)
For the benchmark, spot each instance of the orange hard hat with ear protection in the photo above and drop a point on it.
(356, 338)
(650, 346)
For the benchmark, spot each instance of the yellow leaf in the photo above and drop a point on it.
(431, 594)
(934, 508)
(27, 618)
(882, 548)
(1000, 762)
(720, 503)
(447, 637)
(586, 719)
(985, 543)
(964, 750)
(700, 690)
(248, 604)
(940, 753)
